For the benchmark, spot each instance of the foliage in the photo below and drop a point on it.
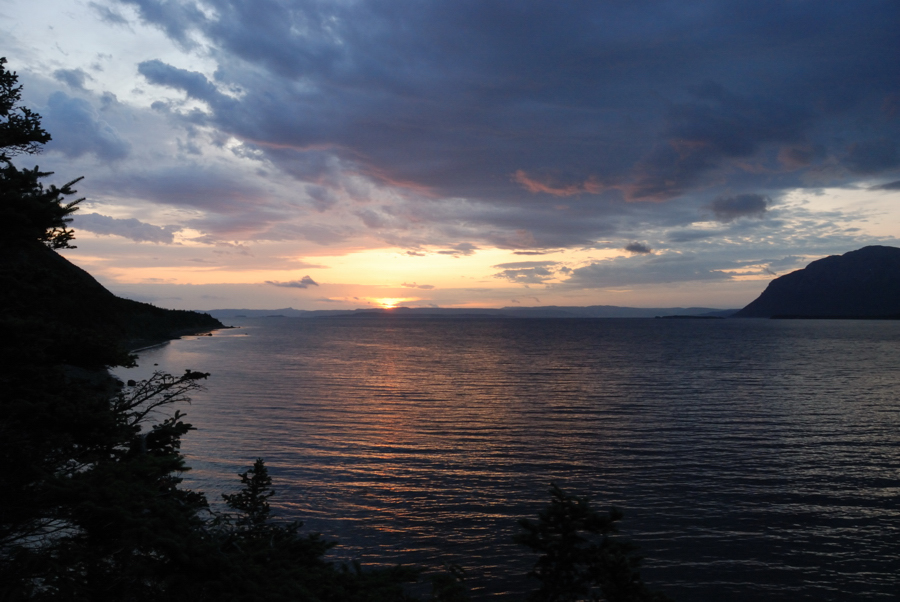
(98, 508)
(448, 586)
(20, 128)
(580, 560)
(28, 210)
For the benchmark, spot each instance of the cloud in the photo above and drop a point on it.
(134, 229)
(78, 130)
(681, 236)
(726, 209)
(589, 186)
(872, 156)
(636, 270)
(716, 126)
(107, 14)
(304, 282)
(889, 186)
(528, 272)
(524, 264)
(174, 18)
(372, 219)
(426, 287)
(323, 198)
(638, 248)
(74, 78)
(445, 120)
(541, 252)
(463, 248)
(200, 186)
(192, 83)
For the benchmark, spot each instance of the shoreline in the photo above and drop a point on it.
(138, 345)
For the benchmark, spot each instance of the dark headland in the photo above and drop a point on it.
(861, 284)
(42, 294)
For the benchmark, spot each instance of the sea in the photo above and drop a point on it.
(753, 459)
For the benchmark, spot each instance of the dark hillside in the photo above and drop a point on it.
(860, 284)
(44, 295)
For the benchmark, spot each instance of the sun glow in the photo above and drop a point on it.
(390, 302)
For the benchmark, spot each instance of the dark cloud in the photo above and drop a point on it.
(541, 252)
(74, 78)
(692, 235)
(638, 248)
(192, 83)
(716, 126)
(304, 282)
(873, 156)
(372, 219)
(323, 198)
(194, 185)
(726, 209)
(547, 117)
(889, 186)
(786, 263)
(79, 130)
(638, 270)
(524, 264)
(134, 229)
(107, 14)
(173, 17)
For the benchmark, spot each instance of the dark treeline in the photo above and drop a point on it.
(92, 506)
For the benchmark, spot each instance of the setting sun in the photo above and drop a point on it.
(390, 302)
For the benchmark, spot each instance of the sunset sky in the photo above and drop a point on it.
(463, 153)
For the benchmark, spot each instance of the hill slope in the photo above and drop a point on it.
(42, 294)
(860, 284)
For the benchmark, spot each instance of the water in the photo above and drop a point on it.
(754, 459)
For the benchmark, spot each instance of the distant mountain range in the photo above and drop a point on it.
(860, 284)
(551, 311)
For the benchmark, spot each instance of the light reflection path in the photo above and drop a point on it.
(753, 458)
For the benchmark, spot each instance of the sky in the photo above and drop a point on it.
(338, 154)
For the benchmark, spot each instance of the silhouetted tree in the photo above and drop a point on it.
(20, 128)
(28, 210)
(580, 559)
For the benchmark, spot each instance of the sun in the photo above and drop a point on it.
(389, 302)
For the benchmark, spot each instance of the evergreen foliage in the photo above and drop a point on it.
(580, 559)
(20, 127)
(28, 211)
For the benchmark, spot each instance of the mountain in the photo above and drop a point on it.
(44, 296)
(860, 284)
(551, 311)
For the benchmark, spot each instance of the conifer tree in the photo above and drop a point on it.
(28, 210)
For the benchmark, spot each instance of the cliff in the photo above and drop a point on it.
(860, 284)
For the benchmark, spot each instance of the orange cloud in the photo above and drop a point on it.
(589, 186)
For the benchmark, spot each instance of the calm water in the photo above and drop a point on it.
(754, 459)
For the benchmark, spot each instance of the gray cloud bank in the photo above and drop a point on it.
(728, 209)
(304, 282)
(134, 229)
(553, 125)
(78, 129)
